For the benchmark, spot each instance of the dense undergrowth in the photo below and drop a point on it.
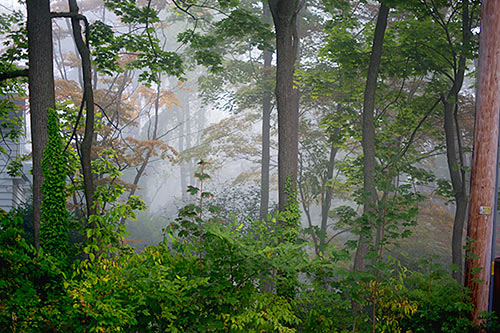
(210, 275)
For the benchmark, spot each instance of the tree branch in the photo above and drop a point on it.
(13, 74)
(68, 15)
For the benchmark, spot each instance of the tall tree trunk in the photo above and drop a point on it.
(484, 161)
(266, 129)
(41, 94)
(284, 14)
(368, 129)
(88, 95)
(454, 149)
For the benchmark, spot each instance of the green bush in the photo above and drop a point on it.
(175, 287)
(443, 305)
(32, 298)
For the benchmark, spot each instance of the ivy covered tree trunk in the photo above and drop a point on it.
(284, 14)
(41, 94)
(54, 227)
(368, 140)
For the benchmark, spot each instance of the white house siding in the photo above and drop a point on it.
(12, 189)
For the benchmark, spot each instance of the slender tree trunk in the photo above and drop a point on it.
(79, 69)
(454, 150)
(328, 190)
(368, 140)
(284, 14)
(266, 129)
(189, 164)
(41, 94)
(88, 93)
(458, 184)
(484, 161)
(181, 117)
(305, 208)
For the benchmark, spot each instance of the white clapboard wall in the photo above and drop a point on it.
(13, 190)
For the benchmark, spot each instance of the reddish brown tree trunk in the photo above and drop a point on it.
(484, 160)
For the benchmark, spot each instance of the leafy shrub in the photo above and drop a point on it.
(31, 295)
(177, 288)
(443, 305)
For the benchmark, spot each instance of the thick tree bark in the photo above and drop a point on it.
(484, 161)
(266, 129)
(368, 131)
(88, 94)
(41, 94)
(284, 14)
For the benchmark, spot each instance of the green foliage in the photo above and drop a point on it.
(206, 277)
(291, 213)
(31, 295)
(241, 24)
(105, 232)
(442, 304)
(210, 274)
(11, 123)
(107, 45)
(206, 48)
(15, 40)
(14, 52)
(54, 216)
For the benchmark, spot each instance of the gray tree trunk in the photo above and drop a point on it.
(284, 14)
(266, 129)
(368, 140)
(181, 119)
(328, 190)
(88, 93)
(41, 94)
(455, 152)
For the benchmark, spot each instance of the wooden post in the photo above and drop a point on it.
(484, 160)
